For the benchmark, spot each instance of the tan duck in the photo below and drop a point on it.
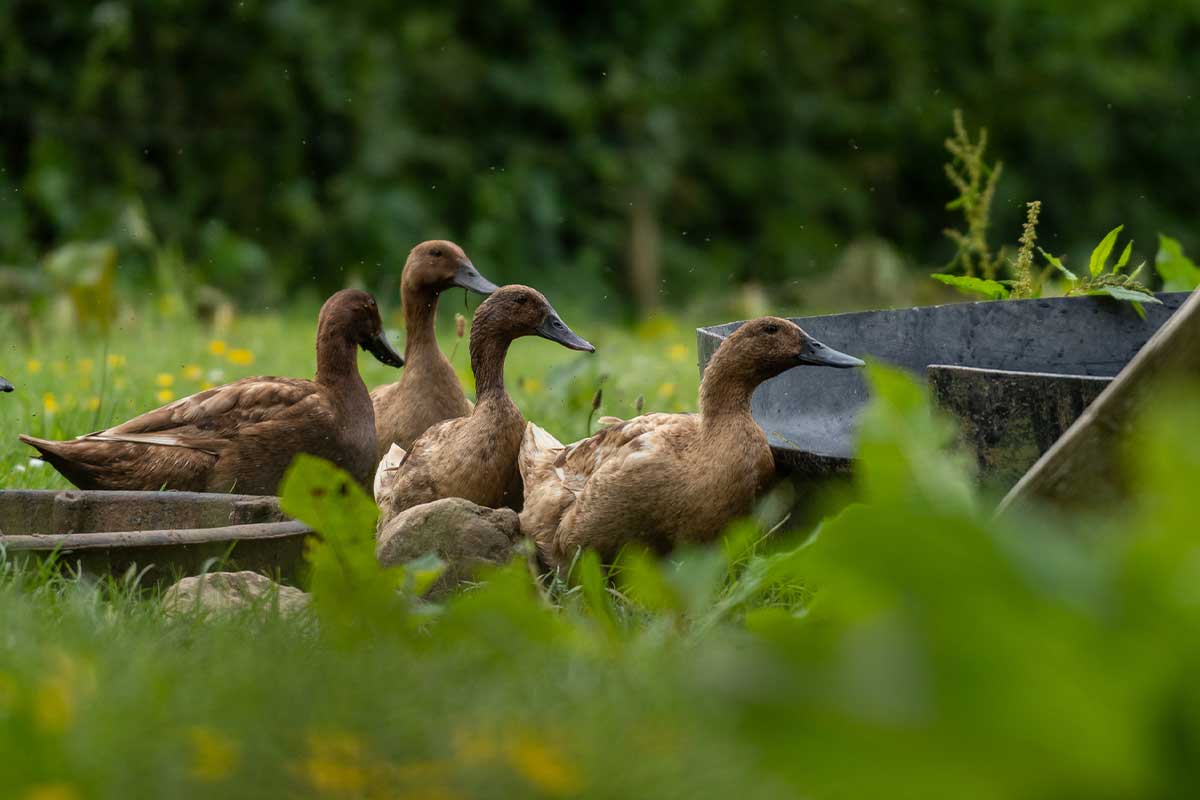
(429, 391)
(666, 479)
(475, 457)
(241, 437)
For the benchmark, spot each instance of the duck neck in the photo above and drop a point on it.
(337, 361)
(420, 316)
(725, 394)
(488, 350)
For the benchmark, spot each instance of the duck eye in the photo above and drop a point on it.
(436, 252)
(772, 329)
(522, 299)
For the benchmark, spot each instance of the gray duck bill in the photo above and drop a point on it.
(469, 278)
(383, 351)
(554, 329)
(816, 354)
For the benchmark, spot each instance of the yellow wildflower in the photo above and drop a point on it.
(164, 395)
(193, 372)
(53, 705)
(334, 763)
(52, 791)
(543, 766)
(241, 357)
(677, 352)
(92, 403)
(164, 380)
(116, 361)
(533, 385)
(472, 747)
(205, 385)
(666, 391)
(33, 365)
(86, 365)
(50, 403)
(214, 755)
(217, 347)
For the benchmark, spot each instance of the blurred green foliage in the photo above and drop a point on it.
(913, 646)
(283, 144)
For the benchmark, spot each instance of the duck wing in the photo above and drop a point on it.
(557, 475)
(208, 420)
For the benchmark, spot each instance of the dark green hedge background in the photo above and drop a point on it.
(282, 143)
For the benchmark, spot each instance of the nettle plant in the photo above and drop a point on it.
(976, 268)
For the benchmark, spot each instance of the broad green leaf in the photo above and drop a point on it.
(1103, 250)
(1122, 293)
(1124, 259)
(1179, 273)
(594, 582)
(993, 290)
(1056, 262)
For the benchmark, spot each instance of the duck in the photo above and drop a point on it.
(241, 437)
(429, 390)
(5, 386)
(475, 457)
(659, 479)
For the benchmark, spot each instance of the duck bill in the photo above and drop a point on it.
(554, 329)
(381, 348)
(469, 278)
(5, 386)
(816, 354)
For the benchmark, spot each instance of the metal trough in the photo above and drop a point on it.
(810, 414)
(168, 534)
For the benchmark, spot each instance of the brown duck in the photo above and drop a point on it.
(666, 479)
(475, 457)
(241, 437)
(429, 391)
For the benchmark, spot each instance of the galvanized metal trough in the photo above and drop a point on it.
(166, 534)
(1019, 349)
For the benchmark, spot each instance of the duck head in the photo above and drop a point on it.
(522, 311)
(438, 265)
(768, 346)
(5, 386)
(352, 316)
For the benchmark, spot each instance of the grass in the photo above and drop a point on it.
(913, 647)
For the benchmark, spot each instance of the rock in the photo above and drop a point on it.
(218, 592)
(459, 532)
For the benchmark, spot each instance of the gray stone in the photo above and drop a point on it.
(459, 532)
(219, 592)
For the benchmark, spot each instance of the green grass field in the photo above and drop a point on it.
(912, 647)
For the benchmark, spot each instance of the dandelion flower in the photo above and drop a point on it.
(217, 347)
(86, 365)
(53, 706)
(241, 357)
(214, 755)
(92, 403)
(334, 764)
(51, 791)
(533, 385)
(33, 365)
(50, 403)
(164, 380)
(193, 372)
(543, 766)
(116, 361)
(206, 385)
(666, 391)
(164, 395)
(677, 352)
